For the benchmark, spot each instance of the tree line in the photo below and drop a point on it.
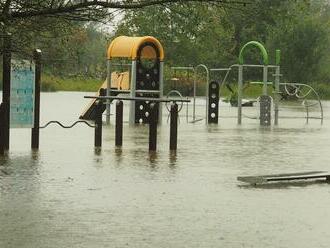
(212, 35)
(192, 32)
(68, 31)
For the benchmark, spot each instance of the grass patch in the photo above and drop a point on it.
(53, 83)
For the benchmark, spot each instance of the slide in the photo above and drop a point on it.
(119, 81)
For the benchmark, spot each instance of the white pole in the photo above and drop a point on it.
(161, 90)
(277, 92)
(108, 112)
(133, 89)
(194, 100)
(206, 88)
(265, 79)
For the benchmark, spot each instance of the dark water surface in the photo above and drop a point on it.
(67, 195)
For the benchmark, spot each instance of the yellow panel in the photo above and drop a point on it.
(127, 47)
(120, 80)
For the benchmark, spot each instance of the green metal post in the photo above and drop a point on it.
(239, 94)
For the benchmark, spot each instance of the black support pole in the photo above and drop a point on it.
(35, 129)
(174, 127)
(98, 125)
(5, 118)
(153, 127)
(2, 149)
(119, 123)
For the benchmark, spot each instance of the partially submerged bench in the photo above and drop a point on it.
(285, 177)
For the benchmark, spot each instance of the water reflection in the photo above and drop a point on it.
(172, 159)
(119, 154)
(153, 159)
(20, 198)
(35, 154)
(98, 151)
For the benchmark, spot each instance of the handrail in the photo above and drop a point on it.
(206, 91)
(150, 99)
(70, 126)
(256, 44)
(182, 68)
(311, 89)
(171, 93)
(187, 68)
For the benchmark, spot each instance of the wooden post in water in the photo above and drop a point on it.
(98, 125)
(119, 123)
(35, 129)
(174, 127)
(153, 127)
(5, 118)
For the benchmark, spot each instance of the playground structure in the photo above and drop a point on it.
(207, 80)
(142, 76)
(22, 78)
(145, 57)
(265, 115)
(119, 81)
(142, 81)
(135, 67)
(298, 91)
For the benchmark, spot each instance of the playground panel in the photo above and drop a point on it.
(22, 94)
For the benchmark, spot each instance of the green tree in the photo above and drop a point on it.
(59, 27)
(213, 35)
(190, 33)
(302, 34)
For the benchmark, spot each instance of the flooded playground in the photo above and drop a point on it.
(68, 195)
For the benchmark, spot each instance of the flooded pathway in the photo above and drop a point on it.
(66, 195)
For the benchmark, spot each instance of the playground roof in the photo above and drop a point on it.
(127, 47)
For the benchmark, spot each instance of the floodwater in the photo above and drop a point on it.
(68, 195)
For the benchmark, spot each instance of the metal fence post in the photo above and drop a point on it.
(119, 123)
(2, 149)
(98, 125)
(153, 127)
(174, 127)
(35, 129)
